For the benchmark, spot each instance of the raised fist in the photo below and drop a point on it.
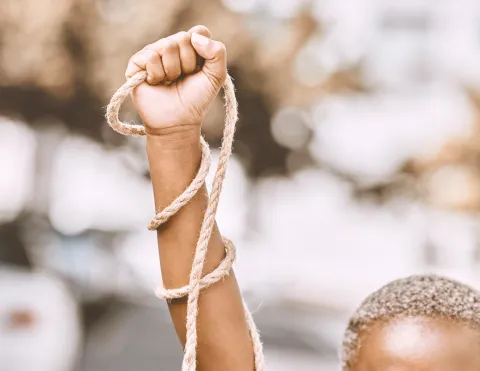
(185, 72)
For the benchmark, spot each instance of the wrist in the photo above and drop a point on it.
(173, 138)
(173, 161)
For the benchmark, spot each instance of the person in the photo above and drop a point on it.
(419, 323)
(422, 322)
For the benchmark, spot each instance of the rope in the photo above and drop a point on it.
(196, 282)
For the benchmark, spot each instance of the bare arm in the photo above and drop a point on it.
(172, 115)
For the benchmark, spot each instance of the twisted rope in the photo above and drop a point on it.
(196, 282)
(219, 273)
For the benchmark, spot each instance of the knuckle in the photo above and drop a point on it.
(151, 57)
(132, 58)
(170, 45)
(220, 49)
(183, 36)
(202, 28)
(138, 57)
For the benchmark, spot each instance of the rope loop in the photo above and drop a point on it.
(219, 273)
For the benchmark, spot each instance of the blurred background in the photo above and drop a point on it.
(356, 162)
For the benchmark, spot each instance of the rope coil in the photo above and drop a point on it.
(219, 273)
(196, 282)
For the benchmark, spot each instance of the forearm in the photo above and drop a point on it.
(224, 342)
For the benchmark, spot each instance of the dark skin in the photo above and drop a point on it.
(419, 344)
(185, 73)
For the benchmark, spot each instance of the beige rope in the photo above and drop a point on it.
(196, 282)
(219, 273)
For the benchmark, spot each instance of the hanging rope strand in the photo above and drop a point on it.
(196, 282)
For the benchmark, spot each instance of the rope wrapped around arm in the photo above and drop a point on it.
(196, 281)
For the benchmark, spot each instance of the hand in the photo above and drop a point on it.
(185, 72)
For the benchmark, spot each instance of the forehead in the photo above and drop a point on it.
(418, 343)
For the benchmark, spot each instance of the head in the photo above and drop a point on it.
(427, 323)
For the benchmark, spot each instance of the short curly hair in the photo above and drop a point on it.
(420, 295)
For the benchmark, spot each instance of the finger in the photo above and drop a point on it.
(154, 66)
(146, 60)
(136, 63)
(168, 49)
(204, 31)
(201, 30)
(215, 56)
(171, 60)
(188, 56)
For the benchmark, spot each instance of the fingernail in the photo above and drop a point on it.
(200, 40)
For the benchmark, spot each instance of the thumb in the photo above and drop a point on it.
(215, 56)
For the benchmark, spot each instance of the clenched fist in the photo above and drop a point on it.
(185, 72)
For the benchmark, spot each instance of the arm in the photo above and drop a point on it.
(172, 115)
